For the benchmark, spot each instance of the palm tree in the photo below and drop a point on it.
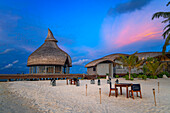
(130, 62)
(155, 67)
(166, 34)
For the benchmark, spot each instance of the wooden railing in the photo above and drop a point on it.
(34, 76)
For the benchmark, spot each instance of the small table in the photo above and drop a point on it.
(123, 85)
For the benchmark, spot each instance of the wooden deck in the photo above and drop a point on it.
(35, 76)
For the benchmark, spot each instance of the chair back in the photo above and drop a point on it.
(110, 85)
(135, 87)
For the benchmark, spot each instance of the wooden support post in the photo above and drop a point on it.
(86, 89)
(100, 94)
(154, 96)
(158, 87)
(67, 81)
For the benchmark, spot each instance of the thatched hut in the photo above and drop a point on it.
(49, 58)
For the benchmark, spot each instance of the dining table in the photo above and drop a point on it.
(123, 85)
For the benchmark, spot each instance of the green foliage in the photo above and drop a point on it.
(134, 75)
(155, 77)
(98, 77)
(145, 69)
(139, 76)
(166, 34)
(152, 77)
(116, 76)
(130, 61)
(155, 67)
(131, 78)
(126, 77)
(164, 73)
(144, 77)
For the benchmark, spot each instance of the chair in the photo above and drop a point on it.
(113, 89)
(75, 80)
(135, 88)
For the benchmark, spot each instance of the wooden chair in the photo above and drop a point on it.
(113, 89)
(135, 88)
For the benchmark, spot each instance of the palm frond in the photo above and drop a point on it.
(150, 67)
(167, 3)
(161, 14)
(123, 59)
(161, 67)
(166, 44)
(168, 26)
(167, 20)
(166, 33)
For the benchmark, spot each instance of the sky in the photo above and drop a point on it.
(85, 29)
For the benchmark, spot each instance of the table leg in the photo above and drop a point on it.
(71, 81)
(121, 90)
(127, 91)
(115, 91)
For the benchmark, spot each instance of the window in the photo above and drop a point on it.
(34, 69)
(57, 69)
(94, 68)
(50, 69)
(41, 69)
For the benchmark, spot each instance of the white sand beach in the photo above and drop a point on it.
(41, 96)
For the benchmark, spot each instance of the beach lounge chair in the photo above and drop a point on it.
(113, 89)
(135, 88)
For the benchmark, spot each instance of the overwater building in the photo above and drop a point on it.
(49, 58)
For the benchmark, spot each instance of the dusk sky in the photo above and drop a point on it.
(85, 29)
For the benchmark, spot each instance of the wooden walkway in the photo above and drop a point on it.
(35, 76)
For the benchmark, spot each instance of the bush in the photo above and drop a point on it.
(155, 77)
(126, 77)
(116, 76)
(98, 77)
(131, 78)
(163, 73)
(144, 77)
(139, 76)
(134, 75)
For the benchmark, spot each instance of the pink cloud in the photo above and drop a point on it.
(128, 28)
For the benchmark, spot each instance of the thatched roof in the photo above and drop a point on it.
(112, 57)
(148, 54)
(49, 54)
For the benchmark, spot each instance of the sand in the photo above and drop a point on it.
(41, 96)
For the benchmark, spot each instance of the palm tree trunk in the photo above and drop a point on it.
(129, 73)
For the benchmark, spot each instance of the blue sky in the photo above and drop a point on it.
(85, 29)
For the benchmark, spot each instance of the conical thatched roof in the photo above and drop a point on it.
(49, 54)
